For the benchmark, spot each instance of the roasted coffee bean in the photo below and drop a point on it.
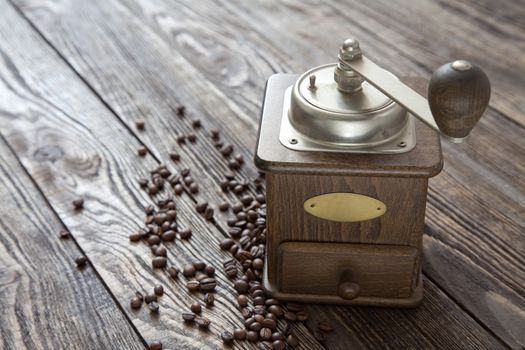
(293, 307)
(188, 180)
(278, 345)
(259, 318)
(203, 322)
(81, 261)
(158, 290)
(159, 261)
(181, 111)
(143, 183)
(142, 151)
(224, 206)
(209, 299)
(258, 301)
(224, 184)
(188, 317)
(134, 237)
(242, 300)
(150, 297)
(208, 213)
(326, 326)
(209, 270)
(185, 172)
(201, 207)
(234, 249)
(231, 222)
(208, 284)
(181, 139)
(173, 272)
(255, 326)
(194, 188)
(238, 189)
(265, 333)
(185, 233)
(192, 137)
(239, 334)
(196, 308)
(193, 286)
(246, 313)
(199, 265)
(135, 303)
(302, 316)
(140, 124)
(226, 150)
(178, 189)
(78, 203)
(258, 263)
(292, 340)
(233, 164)
(237, 207)
(174, 156)
(227, 337)
(240, 158)
(277, 336)
(196, 123)
(153, 240)
(139, 295)
(168, 236)
(290, 316)
(265, 346)
(215, 134)
(252, 336)
(156, 345)
(235, 232)
(189, 270)
(271, 301)
(245, 200)
(241, 286)
(171, 214)
(63, 234)
(276, 310)
(153, 190)
(153, 307)
(269, 323)
(271, 316)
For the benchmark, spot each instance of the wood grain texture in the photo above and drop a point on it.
(46, 301)
(200, 54)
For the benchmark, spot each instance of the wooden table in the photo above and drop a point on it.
(75, 76)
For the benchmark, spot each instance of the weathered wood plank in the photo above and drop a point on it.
(73, 147)
(45, 300)
(162, 70)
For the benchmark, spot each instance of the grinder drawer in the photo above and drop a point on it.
(348, 270)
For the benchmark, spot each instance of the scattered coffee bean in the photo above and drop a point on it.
(196, 308)
(265, 333)
(168, 236)
(278, 345)
(158, 290)
(81, 261)
(276, 310)
(181, 111)
(215, 134)
(201, 207)
(208, 284)
(156, 345)
(226, 150)
(153, 307)
(153, 240)
(159, 262)
(241, 286)
(252, 336)
(188, 317)
(233, 164)
(208, 214)
(189, 270)
(326, 326)
(255, 326)
(192, 138)
(194, 188)
(225, 243)
(224, 206)
(178, 189)
(193, 286)
(292, 340)
(239, 158)
(135, 303)
(174, 156)
(269, 323)
(143, 183)
(173, 272)
(63, 234)
(140, 124)
(265, 346)
(142, 151)
(239, 334)
(242, 300)
(139, 295)
(196, 123)
(199, 265)
(185, 233)
(227, 337)
(203, 322)
(209, 270)
(277, 336)
(135, 237)
(180, 139)
(78, 203)
(209, 299)
(150, 297)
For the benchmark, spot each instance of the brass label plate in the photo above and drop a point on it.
(344, 207)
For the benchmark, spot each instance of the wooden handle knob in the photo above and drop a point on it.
(346, 289)
(458, 94)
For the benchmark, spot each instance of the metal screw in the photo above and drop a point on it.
(312, 82)
(402, 144)
(293, 141)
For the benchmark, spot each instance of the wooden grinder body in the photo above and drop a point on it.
(371, 262)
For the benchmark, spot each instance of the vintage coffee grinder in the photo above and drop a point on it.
(347, 162)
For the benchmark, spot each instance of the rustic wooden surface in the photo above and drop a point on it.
(76, 75)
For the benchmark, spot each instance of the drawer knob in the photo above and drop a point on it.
(346, 289)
